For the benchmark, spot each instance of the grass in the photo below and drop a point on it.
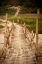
(28, 18)
(1, 26)
(28, 15)
(40, 24)
(30, 22)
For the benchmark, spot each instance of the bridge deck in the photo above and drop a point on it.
(20, 51)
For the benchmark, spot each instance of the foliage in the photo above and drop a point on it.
(25, 10)
(4, 10)
(26, 3)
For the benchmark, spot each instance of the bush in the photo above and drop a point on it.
(4, 10)
(25, 10)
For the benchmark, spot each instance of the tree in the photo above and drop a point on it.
(26, 3)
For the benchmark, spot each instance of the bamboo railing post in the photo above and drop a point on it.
(24, 27)
(37, 27)
(5, 35)
(6, 23)
(37, 32)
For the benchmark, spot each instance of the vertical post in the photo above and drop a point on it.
(6, 22)
(25, 29)
(5, 36)
(37, 34)
(37, 27)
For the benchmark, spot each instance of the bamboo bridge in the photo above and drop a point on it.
(19, 50)
(19, 46)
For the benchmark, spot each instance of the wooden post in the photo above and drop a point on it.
(37, 34)
(6, 33)
(37, 27)
(6, 22)
(25, 29)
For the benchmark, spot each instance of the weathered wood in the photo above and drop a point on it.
(36, 48)
(5, 34)
(6, 22)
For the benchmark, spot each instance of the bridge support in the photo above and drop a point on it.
(37, 27)
(5, 35)
(24, 28)
(37, 33)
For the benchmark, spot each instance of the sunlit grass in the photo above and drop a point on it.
(1, 26)
(30, 22)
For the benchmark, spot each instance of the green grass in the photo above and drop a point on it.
(40, 24)
(30, 22)
(29, 19)
(1, 26)
(28, 15)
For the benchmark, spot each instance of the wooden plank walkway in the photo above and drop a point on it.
(20, 51)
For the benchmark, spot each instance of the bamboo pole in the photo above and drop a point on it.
(37, 27)
(5, 35)
(6, 22)
(24, 28)
(37, 34)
